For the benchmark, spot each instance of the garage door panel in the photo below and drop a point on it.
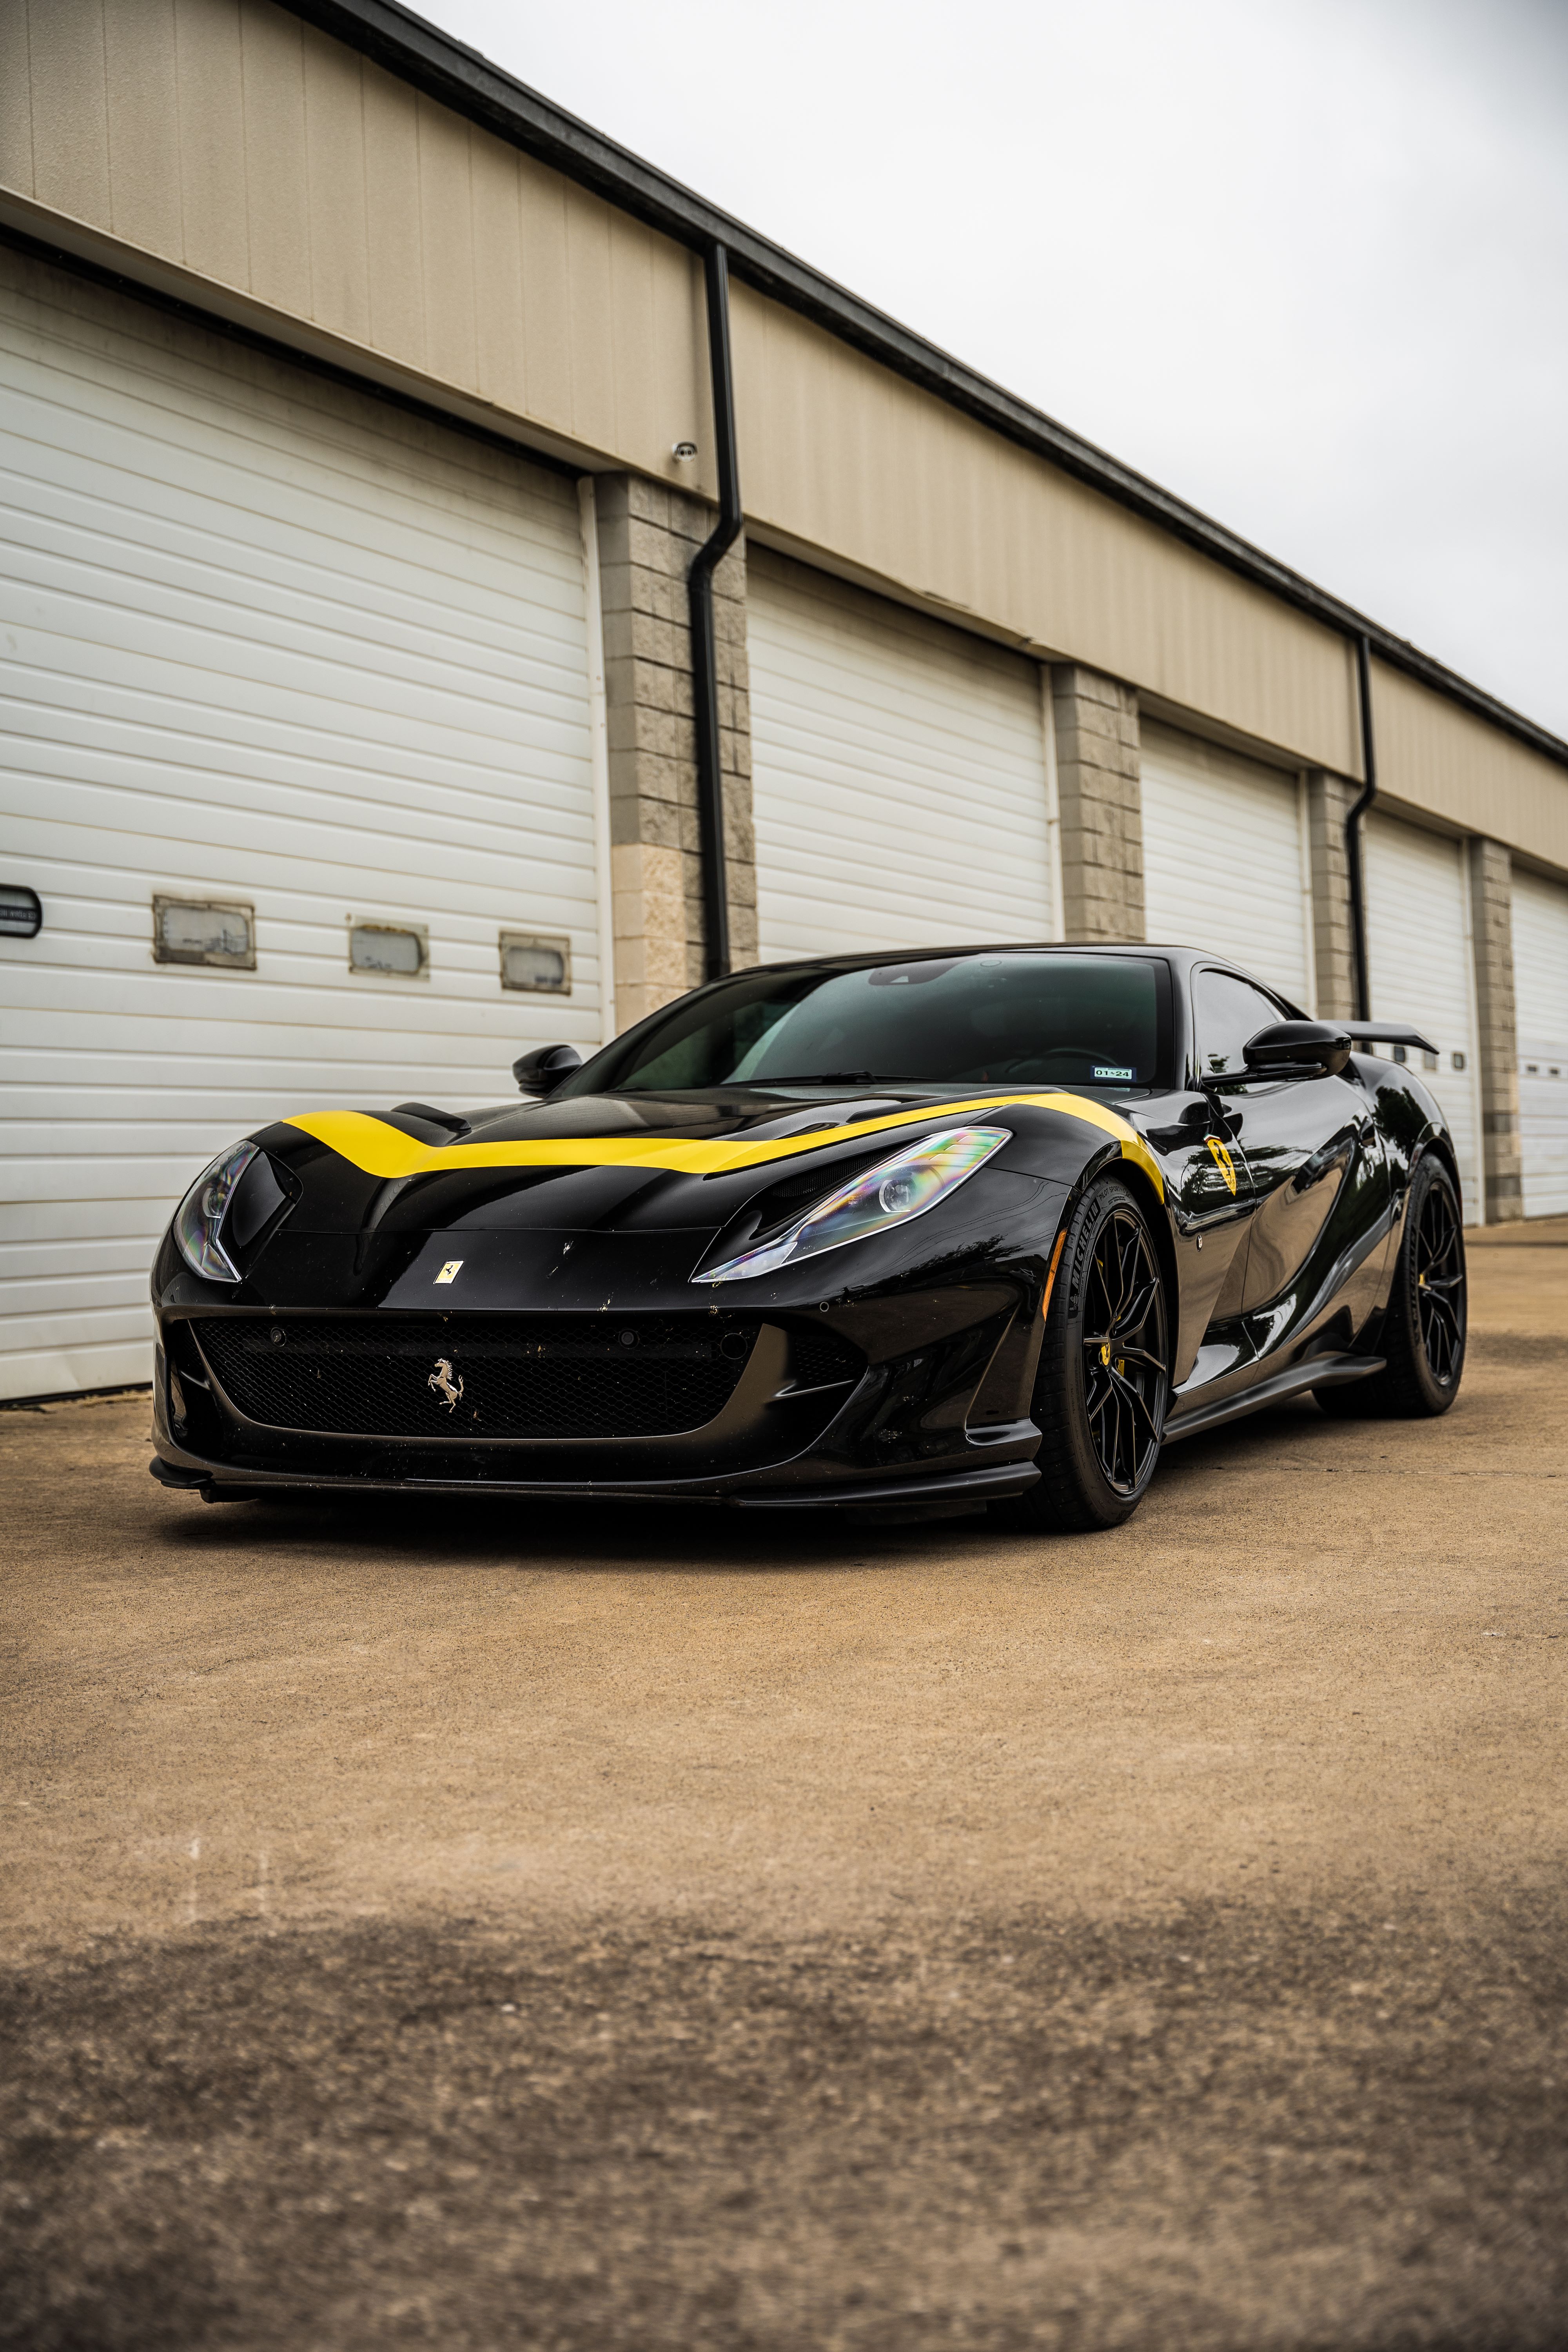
(1541, 1004)
(272, 641)
(120, 747)
(1422, 972)
(899, 777)
(260, 842)
(59, 1372)
(223, 475)
(302, 692)
(1224, 865)
(372, 620)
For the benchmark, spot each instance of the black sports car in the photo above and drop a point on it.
(978, 1227)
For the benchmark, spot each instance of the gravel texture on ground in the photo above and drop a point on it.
(511, 1929)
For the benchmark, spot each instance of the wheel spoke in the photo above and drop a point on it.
(1137, 1404)
(1134, 1316)
(1440, 1284)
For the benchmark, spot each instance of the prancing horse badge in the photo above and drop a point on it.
(440, 1381)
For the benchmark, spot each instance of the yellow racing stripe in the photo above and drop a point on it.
(377, 1150)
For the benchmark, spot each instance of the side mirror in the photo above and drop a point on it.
(544, 1067)
(1299, 1049)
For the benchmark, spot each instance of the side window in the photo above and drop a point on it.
(1228, 1012)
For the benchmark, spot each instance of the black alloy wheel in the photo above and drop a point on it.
(1103, 1380)
(1424, 1327)
(1440, 1284)
(1124, 1379)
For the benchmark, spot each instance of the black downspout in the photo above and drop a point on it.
(704, 652)
(1353, 865)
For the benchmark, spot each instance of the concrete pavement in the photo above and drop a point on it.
(524, 1928)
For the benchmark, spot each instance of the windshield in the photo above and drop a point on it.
(995, 1019)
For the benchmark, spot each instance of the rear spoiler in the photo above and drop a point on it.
(1385, 1032)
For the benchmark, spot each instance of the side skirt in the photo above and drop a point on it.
(1321, 1372)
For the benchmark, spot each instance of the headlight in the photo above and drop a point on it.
(199, 1219)
(906, 1186)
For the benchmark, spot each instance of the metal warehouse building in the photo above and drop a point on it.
(360, 418)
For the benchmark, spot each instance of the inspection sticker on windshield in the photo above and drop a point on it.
(1104, 1070)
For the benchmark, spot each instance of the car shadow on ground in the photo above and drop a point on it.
(587, 1537)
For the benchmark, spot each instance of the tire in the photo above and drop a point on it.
(1425, 1326)
(1100, 1408)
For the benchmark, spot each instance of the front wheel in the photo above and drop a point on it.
(1101, 1387)
(1425, 1325)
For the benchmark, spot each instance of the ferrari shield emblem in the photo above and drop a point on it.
(1224, 1161)
(451, 1270)
(441, 1381)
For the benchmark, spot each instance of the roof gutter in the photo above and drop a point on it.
(460, 78)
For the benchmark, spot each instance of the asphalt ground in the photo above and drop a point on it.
(605, 1934)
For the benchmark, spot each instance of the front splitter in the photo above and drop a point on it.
(994, 1483)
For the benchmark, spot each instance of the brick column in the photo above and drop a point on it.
(1329, 800)
(1101, 806)
(648, 534)
(1491, 934)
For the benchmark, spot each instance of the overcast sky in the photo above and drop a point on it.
(1305, 262)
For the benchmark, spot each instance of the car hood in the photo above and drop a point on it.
(625, 1198)
(688, 1161)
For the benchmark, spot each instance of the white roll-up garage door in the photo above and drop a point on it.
(273, 644)
(1419, 946)
(1540, 1003)
(898, 774)
(1226, 860)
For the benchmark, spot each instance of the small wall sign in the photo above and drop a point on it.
(535, 965)
(216, 931)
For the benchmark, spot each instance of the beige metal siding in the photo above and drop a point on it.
(1434, 756)
(235, 141)
(225, 139)
(840, 454)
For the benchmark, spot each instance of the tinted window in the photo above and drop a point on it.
(1228, 1012)
(996, 1019)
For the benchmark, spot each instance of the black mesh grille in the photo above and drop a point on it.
(519, 1376)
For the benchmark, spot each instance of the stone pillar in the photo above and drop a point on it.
(648, 534)
(1101, 806)
(1328, 802)
(1491, 935)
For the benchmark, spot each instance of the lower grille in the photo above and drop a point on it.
(560, 1376)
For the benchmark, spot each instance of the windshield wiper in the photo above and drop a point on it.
(833, 1078)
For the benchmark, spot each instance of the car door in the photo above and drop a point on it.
(1301, 1140)
(1211, 1198)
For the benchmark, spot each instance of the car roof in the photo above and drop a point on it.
(870, 959)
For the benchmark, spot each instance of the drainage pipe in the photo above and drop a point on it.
(704, 650)
(1354, 862)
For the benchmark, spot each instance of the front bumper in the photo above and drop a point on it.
(940, 1352)
(934, 1403)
